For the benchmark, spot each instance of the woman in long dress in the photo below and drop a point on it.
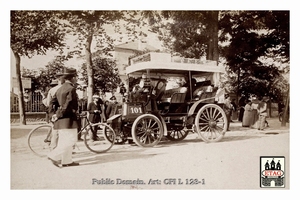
(248, 115)
(254, 106)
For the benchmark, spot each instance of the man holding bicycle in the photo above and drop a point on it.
(65, 106)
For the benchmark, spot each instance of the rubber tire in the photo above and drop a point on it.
(40, 148)
(217, 115)
(109, 145)
(135, 133)
(180, 136)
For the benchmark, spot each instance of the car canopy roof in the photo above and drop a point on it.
(169, 67)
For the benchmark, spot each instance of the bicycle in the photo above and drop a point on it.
(39, 138)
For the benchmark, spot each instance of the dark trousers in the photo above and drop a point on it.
(241, 114)
(228, 116)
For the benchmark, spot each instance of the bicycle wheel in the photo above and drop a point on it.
(39, 140)
(100, 144)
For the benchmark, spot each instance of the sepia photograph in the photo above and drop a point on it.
(144, 99)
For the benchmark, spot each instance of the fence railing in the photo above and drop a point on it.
(34, 104)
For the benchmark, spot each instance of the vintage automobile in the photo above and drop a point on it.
(170, 97)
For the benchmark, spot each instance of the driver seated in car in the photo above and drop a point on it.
(144, 85)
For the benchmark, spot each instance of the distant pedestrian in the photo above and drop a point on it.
(254, 106)
(248, 115)
(242, 104)
(95, 111)
(234, 110)
(228, 108)
(112, 107)
(262, 113)
(106, 103)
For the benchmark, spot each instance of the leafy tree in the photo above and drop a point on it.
(246, 40)
(33, 32)
(192, 34)
(41, 78)
(106, 76)
(253, 37)
(89, 26)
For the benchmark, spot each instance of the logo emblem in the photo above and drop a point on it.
(272, 172)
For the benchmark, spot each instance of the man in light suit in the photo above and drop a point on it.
(65, 106)
(51, 94)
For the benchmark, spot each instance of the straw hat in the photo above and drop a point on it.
(96, 96)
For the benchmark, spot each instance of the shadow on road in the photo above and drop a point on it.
(114, 155)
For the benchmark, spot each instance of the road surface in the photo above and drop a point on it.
(232, 163)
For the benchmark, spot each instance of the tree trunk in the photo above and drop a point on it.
(238, 84)
(20, 87)
(286, 109)
(215, 27)
(89, 66)
(213, 49)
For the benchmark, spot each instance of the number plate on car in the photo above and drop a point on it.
(135, 110)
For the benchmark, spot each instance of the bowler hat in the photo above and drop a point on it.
(54, 82)
(69, 71)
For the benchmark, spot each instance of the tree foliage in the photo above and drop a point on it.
(256, 39)
(244, 39)
(89, 26)
(33, 32)
(106, 75)
(192, 34)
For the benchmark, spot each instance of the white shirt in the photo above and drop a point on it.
(51, 94)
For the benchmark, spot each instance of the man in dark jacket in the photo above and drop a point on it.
(65, 104)
(95, 111)
(112, 107)
(228, 109)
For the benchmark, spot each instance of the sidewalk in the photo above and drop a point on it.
(274, 127)
(29, 125)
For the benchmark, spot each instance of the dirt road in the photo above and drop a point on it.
(233, 163)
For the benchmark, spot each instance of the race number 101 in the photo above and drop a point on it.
(136, 110)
